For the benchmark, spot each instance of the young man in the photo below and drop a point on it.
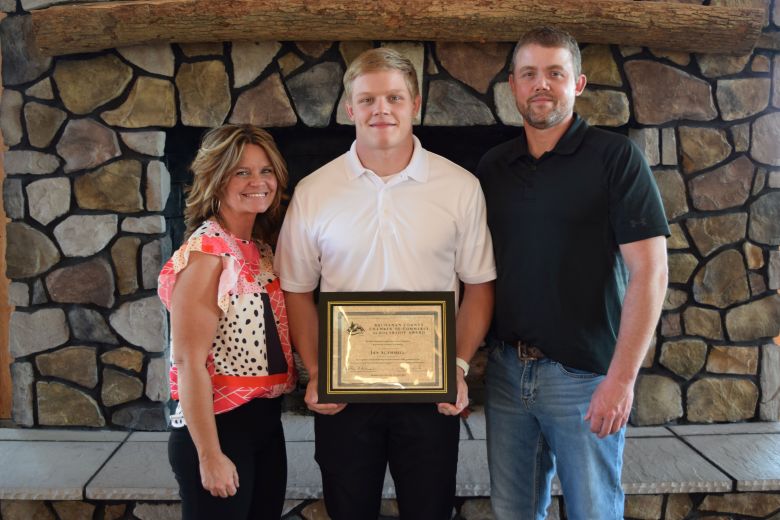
(578, 230)
(386, 216)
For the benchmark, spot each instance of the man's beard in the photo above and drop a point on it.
(545, 120)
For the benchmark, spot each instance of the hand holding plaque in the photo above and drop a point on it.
(387, 347)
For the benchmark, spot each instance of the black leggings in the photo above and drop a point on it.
(252, 437)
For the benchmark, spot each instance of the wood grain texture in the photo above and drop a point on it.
(66, 29)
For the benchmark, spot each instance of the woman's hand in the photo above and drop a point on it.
(194, 319)
(218, 475)
(312, 400)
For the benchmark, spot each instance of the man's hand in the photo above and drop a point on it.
(218, 475)
(462, 399)
(610, 407)
(312, 400)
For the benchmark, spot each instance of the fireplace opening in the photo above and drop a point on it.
(306, 149)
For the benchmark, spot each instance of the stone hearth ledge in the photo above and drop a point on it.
(110, 465)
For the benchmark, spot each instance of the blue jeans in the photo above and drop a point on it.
(534, 413)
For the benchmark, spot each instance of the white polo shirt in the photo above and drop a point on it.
(422, 230)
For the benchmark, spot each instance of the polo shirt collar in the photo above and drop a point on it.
(417, 168)
(567, 145)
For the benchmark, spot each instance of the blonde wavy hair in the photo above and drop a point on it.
(219, 153)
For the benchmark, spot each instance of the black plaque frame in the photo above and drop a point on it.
(395, 302)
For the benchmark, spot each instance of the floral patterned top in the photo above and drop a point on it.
(250, 354)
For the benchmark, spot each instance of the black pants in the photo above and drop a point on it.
(252, 437)
(354, 447)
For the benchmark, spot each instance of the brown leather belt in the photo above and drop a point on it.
(528, 352)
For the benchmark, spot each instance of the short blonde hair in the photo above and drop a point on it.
(382, 58)
(220, 152)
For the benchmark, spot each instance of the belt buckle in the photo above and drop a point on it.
(526, 352)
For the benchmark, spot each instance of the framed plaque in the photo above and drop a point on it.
(387, 347)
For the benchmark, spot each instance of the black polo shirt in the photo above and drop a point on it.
(557, 223)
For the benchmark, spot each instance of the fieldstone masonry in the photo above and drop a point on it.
(87, 183)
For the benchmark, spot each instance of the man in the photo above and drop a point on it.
(579, 235)
(386, 216)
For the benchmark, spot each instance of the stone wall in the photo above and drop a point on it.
(5, 307)
(645, 507)
(87, 187)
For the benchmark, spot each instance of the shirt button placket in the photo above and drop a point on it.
(381, 210)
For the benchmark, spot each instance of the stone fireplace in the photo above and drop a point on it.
(98, 145)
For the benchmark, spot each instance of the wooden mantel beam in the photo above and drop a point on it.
(74, 28)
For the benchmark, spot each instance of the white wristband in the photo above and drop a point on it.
(462, 363)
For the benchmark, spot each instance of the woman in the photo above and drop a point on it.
(230, 348)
